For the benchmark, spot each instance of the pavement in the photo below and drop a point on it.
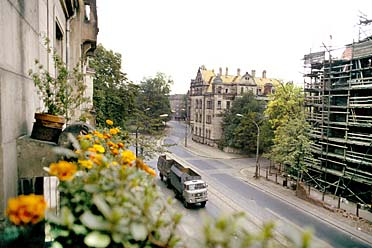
(323, 206)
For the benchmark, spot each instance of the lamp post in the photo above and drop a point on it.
(257, 145)
(137, 127)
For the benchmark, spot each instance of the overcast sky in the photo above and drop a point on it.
(177, 36)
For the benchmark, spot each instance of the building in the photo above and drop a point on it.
(338, 98)
(212, 93)
(71, 27)
(178, 106)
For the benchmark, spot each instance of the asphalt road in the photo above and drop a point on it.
(263, 206)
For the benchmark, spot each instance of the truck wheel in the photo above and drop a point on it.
(186, 204)
(161, 176)
(169, 185)
(202, 204)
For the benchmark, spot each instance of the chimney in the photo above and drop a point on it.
(253, 73)
(238, 72)
(227, 71)
(264, 74)
(220, 71)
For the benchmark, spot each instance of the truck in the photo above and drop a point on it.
(186, 183)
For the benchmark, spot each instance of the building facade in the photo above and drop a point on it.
(212, 93)
(71, 28)
(178, 106)
(338, 98)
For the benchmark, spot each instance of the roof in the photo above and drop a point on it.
(209, 76)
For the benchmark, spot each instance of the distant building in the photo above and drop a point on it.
(178, 106)
(212, 93)
(71, 27)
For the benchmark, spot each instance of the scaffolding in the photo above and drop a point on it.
(338, 102)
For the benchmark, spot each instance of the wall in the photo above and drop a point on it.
(23, 24)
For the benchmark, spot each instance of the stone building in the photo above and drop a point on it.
(71, 27)
(212, 93)
(178, 106)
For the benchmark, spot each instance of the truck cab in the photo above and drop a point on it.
(195, 191)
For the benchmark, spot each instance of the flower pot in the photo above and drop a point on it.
(47, 127)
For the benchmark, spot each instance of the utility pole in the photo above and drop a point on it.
(186, 132)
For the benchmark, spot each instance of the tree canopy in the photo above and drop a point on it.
(287, 117)
(238, 125)
(113, 94)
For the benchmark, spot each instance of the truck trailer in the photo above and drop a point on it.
(186, 183)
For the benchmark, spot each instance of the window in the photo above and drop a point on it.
(226, 91)
(209, 104)
(227, 104)
(200, 118)
(241, 90)
(219, 90)
(219, 105)
(87, 12)
(197, 103)
(209, 119)
(196, 117)
(59, 40)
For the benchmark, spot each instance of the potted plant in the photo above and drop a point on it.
(61, 93)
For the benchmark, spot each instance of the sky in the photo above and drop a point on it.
(176, 37)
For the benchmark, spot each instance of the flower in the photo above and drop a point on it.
(109, 122)
(141, 165)
(114, 131)
(99, 148)
(63, 170)
(86, 163)
(127, 156)
(26, 209)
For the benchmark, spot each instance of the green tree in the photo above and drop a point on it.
(287, 117)
(240, 132)
(113, 94)
(154, 97)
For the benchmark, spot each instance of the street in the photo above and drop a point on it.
(227, 193)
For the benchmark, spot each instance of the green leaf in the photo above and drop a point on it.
(97, 239)
(139, 231)
(94, 222)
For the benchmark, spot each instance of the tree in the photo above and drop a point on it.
(154, 96)
(113, 94)
(240, 132)
(287, 117)
(285, 104)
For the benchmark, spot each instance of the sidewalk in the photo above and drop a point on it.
(272, 183)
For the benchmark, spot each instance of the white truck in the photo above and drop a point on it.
(187, 184)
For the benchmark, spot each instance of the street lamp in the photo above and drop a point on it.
(137, 127)
(257, 145)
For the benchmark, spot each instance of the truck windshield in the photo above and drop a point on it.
(196, 186)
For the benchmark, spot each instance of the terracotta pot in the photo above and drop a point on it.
(47, 127)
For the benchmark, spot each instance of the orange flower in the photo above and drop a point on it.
(109, 122)
(63, 170)
(96, 158)
(115, 151)
(98, 134)
(25, 209)
(107, 136)
(141, 165)
(120, 145)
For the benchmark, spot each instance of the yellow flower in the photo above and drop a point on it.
(63, 170)
(141, 165)
(127, 156)
(110, 144)
(99, 148)
(109, 122)
(86, 163)
(25, 209)
(98, 134)
(114, 131)
(96, 158)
